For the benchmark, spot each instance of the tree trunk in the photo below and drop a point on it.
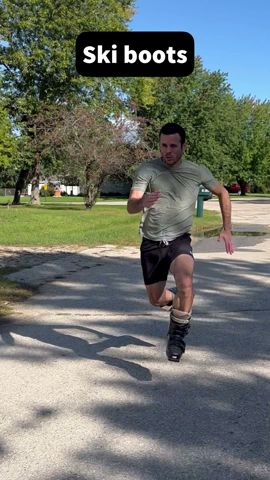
(20, 185)
(92, 191)
(35, 199)
(242, 184)
(93, 183)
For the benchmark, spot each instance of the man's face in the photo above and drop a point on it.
(171, 149)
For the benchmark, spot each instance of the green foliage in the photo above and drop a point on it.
(47, 191)
(259, 146)
(8, 141)
(229, 136)
(89, 145)
(38, 48)
(37, 59)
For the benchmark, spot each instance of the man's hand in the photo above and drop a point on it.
(149, 199)
(226, 236)
(138, 201)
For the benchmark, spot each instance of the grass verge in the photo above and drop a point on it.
(11, 293)
(56, 200)
(56, 225)
(69, 199)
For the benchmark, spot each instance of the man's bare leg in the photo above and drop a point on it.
(159, 295)
(182, 269)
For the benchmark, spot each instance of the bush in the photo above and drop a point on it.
(49, 192)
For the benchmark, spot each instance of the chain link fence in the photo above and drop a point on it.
(6, 192)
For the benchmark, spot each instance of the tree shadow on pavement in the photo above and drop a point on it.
(207, 417)
(75, 346)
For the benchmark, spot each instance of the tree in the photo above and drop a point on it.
(229, 135)
(201, 103)
(8, 142)
(38, 60)
(259, 145)
(90, 144)
(248, 136)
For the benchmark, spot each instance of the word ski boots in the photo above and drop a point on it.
(178, 329)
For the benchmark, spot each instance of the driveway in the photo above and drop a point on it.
(88, 394)
(252, 214)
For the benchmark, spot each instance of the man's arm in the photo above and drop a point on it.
(225, 207)
(139, 200)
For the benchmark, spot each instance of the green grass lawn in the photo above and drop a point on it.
(64, 199)
(50, 225)
(25, 200)
(56, 225)
(234, 196)
(10, 293)
(69, 199)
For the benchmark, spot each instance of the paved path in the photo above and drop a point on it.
(252, 215)
(87, 392)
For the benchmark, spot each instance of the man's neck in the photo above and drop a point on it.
(175, 165)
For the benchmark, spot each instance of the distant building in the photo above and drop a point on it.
(68, 189)
(111, 186)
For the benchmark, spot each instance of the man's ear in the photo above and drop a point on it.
(183, 147)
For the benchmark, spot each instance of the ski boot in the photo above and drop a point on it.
(178, 329)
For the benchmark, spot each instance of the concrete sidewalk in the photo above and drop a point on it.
(88, 394)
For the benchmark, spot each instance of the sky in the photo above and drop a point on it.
(232, 36)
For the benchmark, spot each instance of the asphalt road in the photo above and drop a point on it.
(88, 394)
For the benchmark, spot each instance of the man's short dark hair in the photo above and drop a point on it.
(171, 128)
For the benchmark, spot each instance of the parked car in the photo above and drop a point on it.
(235, 188)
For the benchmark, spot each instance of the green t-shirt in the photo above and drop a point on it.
(172, 214)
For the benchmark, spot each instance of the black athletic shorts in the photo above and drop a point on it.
(156, 257)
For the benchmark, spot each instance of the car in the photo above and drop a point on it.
(235, 188)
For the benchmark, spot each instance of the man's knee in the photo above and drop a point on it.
(155, 300)
(157, 294)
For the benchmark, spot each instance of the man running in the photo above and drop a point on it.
(165, 190)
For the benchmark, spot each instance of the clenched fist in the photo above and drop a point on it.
(149, 199)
